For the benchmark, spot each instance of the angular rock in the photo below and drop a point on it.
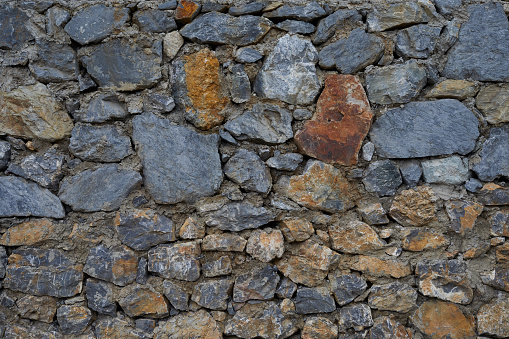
(264, 123)
(334, 22)
(94, 23)
(485, 33)
(411, 172)
(31, 332)
(214, 7)
(223, 242)
(142, 272)
(172, 43)
(308, 12)
(414, 207)
(494, 162)
(499, 224)
(451, 170)
(212, 294)
(5, 154)
(3, 261)
(191, 229)
(497, 278)
(395, 297)
(239, 216)
(296, 229)
(266, 245)
(494, 195)
(454, 89)
(117, 265)
(253, 8)
(246, 54)
(37, 308)
(346, 287)
(374, 214)
(256, 285)
(473, 185)
(249, 171)
(293, 59)
(176, 295)
(43, 272)
(160, 145)
(217, 29)
(189, 325)
(101, 189)
(317, 327)
(398, 15)
(395, 84)
(215, 268)
(296, 27)
(73, 319)
(154, 21)
(240, 86)
(492, 318)
(417, 41)
(357, 316)
(103, 108)
(28, 233)
(118, 65)
(387, 327)
(313, 300)
(463, 214)
(285, 162)
(355, 237)
(56, 18)
(14, 33)
(286, 288)
(186, 11)
(139, 301)
(117, 327)
(417, 240)
(374, 267)
(100, 297)
(502, 254)
(54, 63)
(175, 261)
(382, 177)
(493, 101)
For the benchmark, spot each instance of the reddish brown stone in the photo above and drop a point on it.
(140, 301)
(417, 240)
(296, 229)
(189, 325)
(355, 237)
(463, 214)
(342, 120)
(319, 328)
(37, 308)
(414, 207)
(374, 267)
(28, 233)
(266, 245)
(493, 318)
(502, 253)
(494, 195)
(476, 251)
(186, 11)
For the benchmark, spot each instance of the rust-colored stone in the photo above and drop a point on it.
(493, 318)
(374, 267)
(463, 214)
(414, 207)
(186, 11)
(28, 233)
(342, 120)
(140, 301)
(417, 240)
(356, 237)
(502, 253)
(296, 229)
(37, 308)
(266, 245)
(319, 328)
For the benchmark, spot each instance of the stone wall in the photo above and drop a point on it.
(332, 169)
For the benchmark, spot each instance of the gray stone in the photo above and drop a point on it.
(238, 216)
(43, 272)
(179, 164)
(334, 22)
(101, 189)
(494, 155)
(399, 15)
(175, 261)
(100, 297)
(374, 214)
(225, 242)
(213, 7)
(447, 7)
(117, 265)
(417, 41)
(73, 319)
(147, 325)
(264, 123)
(395, 84)
(286, 161)
(302, 114)
(327, 56)
(13, 31)
(177, 297)
(313, 300)
(411, 172)
(246, 54)
(105, 326)
(396, 296)
(212, 294)
(86, 83)
(256, 285)
(99, 143)
(473, 185)
(172, 4)
(240, 87)
(56, 18)
(123, 66)
(357, 316)
(382, 177)
(368, 150)
(253, 8)
(449, 35)
(451, 170)
(3, 261)
(309, 12)
(21, 198)
(286, 288)
(486, 33)
(493, 101)
(289, 73)
(297, 27)
(154, 21)
(38, 6)
(158, 103)
(249, 171)
(143, 229)
(32, 307)
(217, 29)
(215, 268)
(423, 129)
(142, 271)
(347, 287)
(54, 63)
(103, 108)
(94, 23)
(45, 169)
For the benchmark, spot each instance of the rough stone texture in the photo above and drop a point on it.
(102, 108)
(341, 122)
(223, 242)
(246, 54)
(374, 214)
(212, 294)
(374, 267)
(346, 287)
(411, 172)
(253, 8)
(447, 7)
(54, 63)
(492, 318)
(354, 237)
(266, 245)
(398, 15)
(215, 268)
(289, 72)
(37, 308)
(417, 240)
(417, 41)
(140, 301)
(100, 189)
(493, 195)
(117, 265)
(494, 161)
(382, 177)
(217, 28)
(286, 288)
(485, 33)
(73, 319)
(118, 65)
(387, 327)
(319, 328)
(240, 86)
(297, 27)
(256, 285)
(296, 229)
(117, 328)
(249, 171)
(154, 21)
(455, 89)
(313, 300)
(499, 224)
(189, 325)
(357, 316)
(100, 297)
(493, 101)
(13, 27)
(186, 11)
(285, 162)
(463, 214)
(414, 207)
(5, 154)
(172, 43)
(308, 12)
(32, 112)
(28, 233)
(395, 297)
(334, 22)
(238, 216)
(175, 261)
(451, 170)
(192, 229)
(177, 297)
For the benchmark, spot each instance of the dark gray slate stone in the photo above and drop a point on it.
(494, 155)
(329, 25)
(249, 171)
(100, 297)
(423, 129)
(302, 114)
(13, 32)
(54, 63)
(43, 272)
(154, 21)
(285, 162)
(73, 319)
(357, 316)
(21, 198)
(158, 103)
(286, 288)
(289, 73)
(347, 287)
(327, 56)
(177, 297)
(253, 8)
(239, 216)
(417, 41)
(120, 65)
(473, 185)
(264, 123)
(3, 261)
(99, 143)
(247, 54)
(297, 27)
(142, 272)
(447, 7)
(175, 261)
(45, 169)
(103, 108)
(168, 5)
(382, 177)
(215, 268)
(482, 47)
(94, 23)
(117, 265)
(395, 84)
(212, 294)
(240, 87)
(313, 300)
(217, 29)
(142, 230)
(56, 18)
(147, 325)
(213, 7)
(100, 189)
(226, 136)
(411, 172)
(257, 285)
(179, 164)
(308, 12)
(86, 83)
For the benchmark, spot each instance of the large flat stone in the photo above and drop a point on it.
(54, 63)
(494, 155)
(117, 265)
(239, 216)
(13, 31)
(189, 325)
(175, 261)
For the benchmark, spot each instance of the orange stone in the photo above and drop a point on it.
(374, 267)
(342, 120)
(296, 229)
(189, 325)
(414, 207)
(140, 301)
(356, 237)
(417, 240)
(463, 214)
(28, 233)
(388, 327)
(186, 11)
(319, 328)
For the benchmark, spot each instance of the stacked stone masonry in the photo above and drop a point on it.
(238, 169)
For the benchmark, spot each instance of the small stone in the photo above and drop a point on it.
(387, 327)
(249, 171)
(438, 319)
(417, 41)
(240, 86)
(147, 325)
(86, 83)
(296, 229)
(368, 150)
(239, 216)
(212, 294)
(154, 21)
(172, 4)
(37, 308)
(494, 162)
(355, 237)
(94, 23)
(302, 114)
(225, 242)
(494, 195)
(285, 162)
(374, 267)
(346, 287)
(296, 27)
(398, 15)
(186, 11)
(5, 154)
(492, 318)
(73, 319)
(100, 297)
(286, 288)
(13, 25)
(454, 89)
(447, 7)
(395, 297)
(382, 177)
(257, 285)
(313, 300)
(175, 261)
(333, 23)
(417, 240)
(214, 7)
(139, 301)
(117, 265)
(54, 63)
(414, 207)
(499, 222)
(463, 214)
(158, 103)
(357, 316)
(248, 55)
(493, 101)
(411, 172)
(215, 268)
(189, 325)
(103, 108)
(28, 233)
(266, 245)
(374, 214)
(319, 328)
(192, 229)
(308, 12)
(172, 43)
(253, 8)
(176, 295)
(451, 170)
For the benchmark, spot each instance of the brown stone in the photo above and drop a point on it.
(139, 301)
(493, 101)
(414, 207)
(443, 320)
(396, 297)
(319, 328)
(417, 240)
(266, 245)
(454, 89)
(28, 233)
(37, 308)
(296, 229)
(502, 253)
(189, 325)
(186, 11)
(374, 214)
(355, 237)
(32, 112)
(463, 214)
(322, 187)
(224, 242)
(493, 318)
(374, 267)
(342, 120)
(494, 195)
(477, 250)
(387, 327)
(192, 229)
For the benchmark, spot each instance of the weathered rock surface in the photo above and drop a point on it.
(382, 177)
(186, 11)
(451, 170)
(240, 86)
(246, 54)
(296, 27)
(395, 297)
(317, 327)
(354, 237)
(177, 297)
(212, 294)
(374, 214)
(102, 108)
(417, 41)
(387, 327)
(5, 154)
(238, 216)
(266, 245)
(417, 240)
(117, 265)
(73, 319)
(329, 25)
(249, 171)
(346, 287)
(28, 233)
(308, 12)
(313, 300)
(54, 63)
(172, 43)
(492, 318)
(100, 297)
(37, 308)
(455, 89)
(493, 101)
(256, 285)
(215, 268)
(286, 288)
(175, 261)
(493, 195)
(398, 15)
(499, 222)
(357, 316)
(285, 162)
(139, 301)
(494, 155)
(411, 172)
(13, 27)
(154, 21)
(414, 207)
(253, 8)
(463, 214)
(373, 267)
(189, 325)
(296, 229)
(225, 242)
(117, 328)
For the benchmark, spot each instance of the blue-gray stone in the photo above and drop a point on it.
(329, 25)
(411, 172)
(253, 8)
(100, 297)
(286, 161)
(56, 18)
(302, 114)
(313, 300)
(357, 316)
(347, 287)
(239, 216)
(308, 12)
(175, 261)
(246, 54)
(417, 41)
(168, 5)
(154, 21)
(286, 288)
(176, 295)
(447, 7)
(256, 285)
(213, 7)
(451, 170)
(382, 177)
(473, 185)
(112, 264)
(158, 103)
(54, 63)
(297, 27)
(3, 261)
(482, 47)
(86, 82)
(423, 129)
(249, 171)
(212, 294)
(103, 108)
(73, 320)
(13, 31)
(494, 155)
(142, 271)
(240, 87)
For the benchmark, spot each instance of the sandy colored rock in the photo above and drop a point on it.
(414, 207)
(493, 101)
(374, 267)
(266, 245)
(417, 240)
(224, 242)
(172, 43)
(319, 328)
(189, 325)
(296, 229)
(387, 327)
(141, 301)
(355, 237)
(463, 214)
(37, 308)
(493, 319)
(395, 297)
(454, 89)
(28, 233)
